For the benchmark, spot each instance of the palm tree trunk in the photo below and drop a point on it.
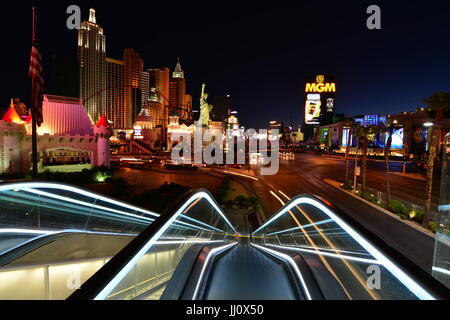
(356, 165)
(347, 151)
(364, 163)
(435, 135)
(387, 152)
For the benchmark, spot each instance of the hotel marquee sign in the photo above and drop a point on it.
(320, 87)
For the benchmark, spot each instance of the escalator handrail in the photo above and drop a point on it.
(17, 252)
(420, 276)
(37, 184)
(115, 269)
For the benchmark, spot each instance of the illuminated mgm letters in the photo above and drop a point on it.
(320, 88)
(320, 101)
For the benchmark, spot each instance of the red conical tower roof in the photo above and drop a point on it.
(29, 118)
(11, 115)
(103, 122)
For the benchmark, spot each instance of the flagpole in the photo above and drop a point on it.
(34, 159)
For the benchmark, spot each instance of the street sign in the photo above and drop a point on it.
(358, 171)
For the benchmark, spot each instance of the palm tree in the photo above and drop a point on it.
(348, 124)
(357, 131)
(368, 134)
(440, 102)
(389, 129)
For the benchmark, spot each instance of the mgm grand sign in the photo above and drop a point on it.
(320, 100)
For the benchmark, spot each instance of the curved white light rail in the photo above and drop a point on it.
(211, 254)
(47, 185)
(327, 254)
(122, 273)
(407, 281)
(292, 263)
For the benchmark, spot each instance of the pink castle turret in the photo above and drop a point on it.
(103, 132)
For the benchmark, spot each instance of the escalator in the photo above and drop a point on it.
(304, 252)
(61, 242)
(143, 147)
(243, 273)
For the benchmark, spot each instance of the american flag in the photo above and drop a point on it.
(37, 79)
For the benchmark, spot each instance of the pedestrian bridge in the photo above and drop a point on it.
(62, 242)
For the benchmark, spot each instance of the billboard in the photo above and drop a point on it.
(397, 139)
(345, 133)
(419, 139)
(320, 100)
(313, 109)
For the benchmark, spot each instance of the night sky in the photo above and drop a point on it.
(259, 53)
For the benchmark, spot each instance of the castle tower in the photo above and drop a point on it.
(12, 133)
(103, 132)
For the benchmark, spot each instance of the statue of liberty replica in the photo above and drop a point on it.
(205, 107)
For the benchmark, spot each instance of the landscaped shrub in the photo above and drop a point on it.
(86, 176)
(161, 198)
(417, 216)
(253, 201)
(370, 197)
(14, 176)
(228, 204)
(433, 226)
(241, 200)
(347, 187)
(221, 194)
(397, 207)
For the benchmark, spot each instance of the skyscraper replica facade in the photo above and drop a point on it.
(117, 88)
(92, 61)
(136, 102)
(180, 102)
(159, 80)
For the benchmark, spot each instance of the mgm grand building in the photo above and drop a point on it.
(320, 103)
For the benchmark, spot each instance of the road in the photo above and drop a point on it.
(146, 180)
(305, 175)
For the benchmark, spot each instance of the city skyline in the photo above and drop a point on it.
(277, 50)
(225, 151)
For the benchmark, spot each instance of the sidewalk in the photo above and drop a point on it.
(352, 158)
(415, 176)
(338, 185)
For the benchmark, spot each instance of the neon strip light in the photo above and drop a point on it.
(40, 234)
(337, 256)
(128, 267)
(62, 198)
(441, 270)
(91, 205)
(186, 241)
(213, 252)
(304, 227)
(288, 259)
(47, 232)
(399, 274)
(333, 250)
(199, 222)
(46, 185)
(28, 231)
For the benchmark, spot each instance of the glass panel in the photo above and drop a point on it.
(198, 221)
(311, 229)
(55, 236)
